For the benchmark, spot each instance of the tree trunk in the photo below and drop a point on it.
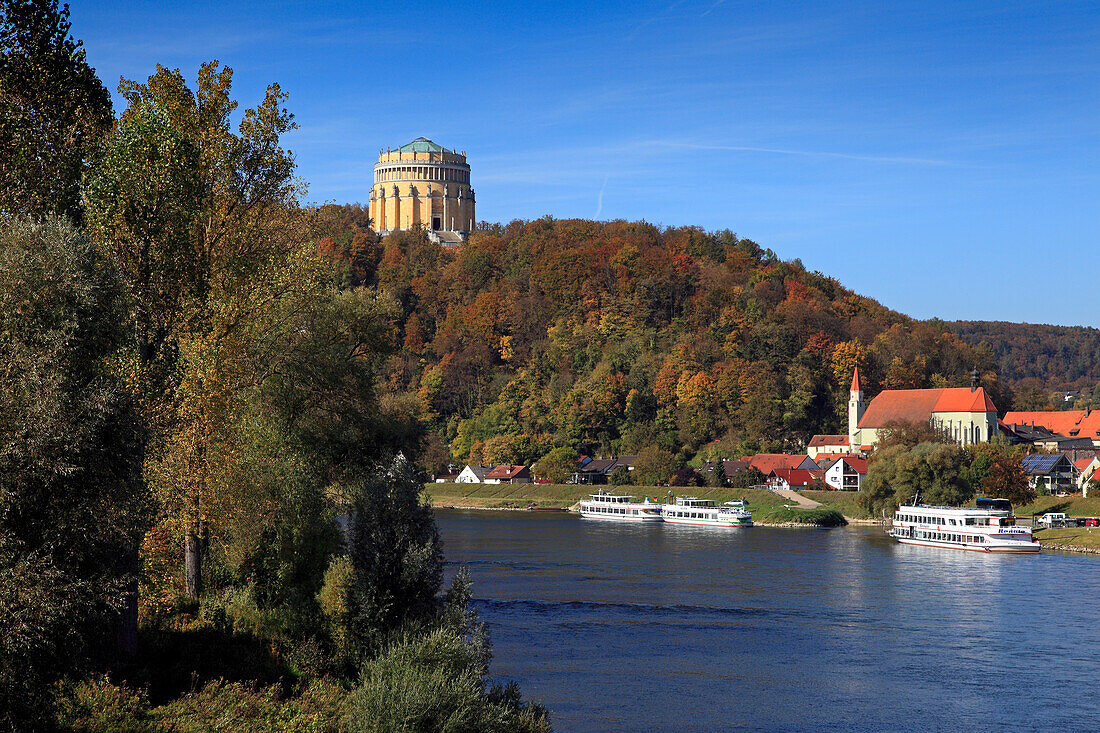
(192, 561)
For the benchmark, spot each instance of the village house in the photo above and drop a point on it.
(473, 474)
(828, 445)
(730, 467)
(1052, 474)
(1084, 424)
(594, 471)
(966, 415)
(506, 473)
(846, 473)
(1087, 473)
(599, 470)
(794, 478)
(1042, 438)
(765, 463)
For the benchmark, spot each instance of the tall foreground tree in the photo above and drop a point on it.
(54, 111)
(204, 225)
(72, 504)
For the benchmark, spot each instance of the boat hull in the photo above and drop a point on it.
(708, 523)
(621, 517)
(1025, 547)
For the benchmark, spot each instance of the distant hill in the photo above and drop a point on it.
(1059, 356)
(612, 338)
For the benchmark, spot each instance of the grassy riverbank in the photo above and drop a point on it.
(1074, 506)
(845, 502)
(1073, 539)
(767, 508)
(520, 496)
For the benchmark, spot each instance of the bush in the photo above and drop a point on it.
(97, 705)
(686, 477)
(431, 683)
(813, 517)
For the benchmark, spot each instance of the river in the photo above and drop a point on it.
(620, 627)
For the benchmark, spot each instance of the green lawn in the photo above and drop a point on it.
(490, 496)
(846, 502)
(1075, 506)
(1076, 537)
(821, 517)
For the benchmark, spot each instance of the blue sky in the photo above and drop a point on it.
(941, 157)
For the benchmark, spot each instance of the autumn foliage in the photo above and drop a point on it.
(605, 338)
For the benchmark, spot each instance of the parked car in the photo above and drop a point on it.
(1056, 519)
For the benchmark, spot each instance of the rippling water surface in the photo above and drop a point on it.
(658, 627)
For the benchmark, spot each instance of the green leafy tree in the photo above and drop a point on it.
(932, 473)
(202, 224)
(717, 476)
(620, 476)
(557, 466)
(655, 466)
(997, 471)
(54, 111)
(73, 508)
(395, 550)
(747, 479)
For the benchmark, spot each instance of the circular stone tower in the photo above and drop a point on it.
(423, 185)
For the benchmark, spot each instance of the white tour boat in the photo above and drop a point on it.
(706, 513)
(621, 508)
(990, 527)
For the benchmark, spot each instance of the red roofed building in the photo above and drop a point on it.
(845, 473)
(794, 478)
(1070, 423)
(506, 473)
(967, 415)
(827, 444)
(765, 463)
(1088, 473)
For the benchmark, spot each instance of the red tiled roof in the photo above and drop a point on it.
(855, 381)
(797, 476)
(820, 440)
(961, 399)
(506, 471)
(1064, 422)
(1082, 463)
(917, 405)
(859, 464)
(765, 463)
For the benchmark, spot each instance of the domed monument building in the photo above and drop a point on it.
(424, 185)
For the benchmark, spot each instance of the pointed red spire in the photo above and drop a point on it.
(855, 381)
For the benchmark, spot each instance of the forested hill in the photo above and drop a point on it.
(611, 338)
(1059, 356)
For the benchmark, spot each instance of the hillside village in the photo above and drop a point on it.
(1063, 447)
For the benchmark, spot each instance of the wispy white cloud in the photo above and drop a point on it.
(806, 153)
(711, 8)
(599, 198)
(650, 20)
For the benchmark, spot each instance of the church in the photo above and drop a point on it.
(966, 415)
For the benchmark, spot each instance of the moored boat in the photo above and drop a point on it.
(706, 513)
(989, 527)
(619, 508)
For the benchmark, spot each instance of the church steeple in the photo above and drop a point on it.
(855, 412)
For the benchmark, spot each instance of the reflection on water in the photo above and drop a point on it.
(660, 627)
